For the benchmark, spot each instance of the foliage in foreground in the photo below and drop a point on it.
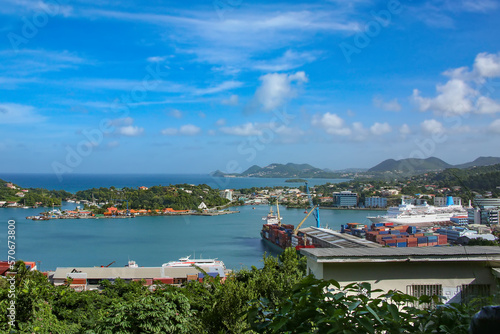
(275, 299)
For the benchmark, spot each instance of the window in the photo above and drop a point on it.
(471, 291)
(425, 290)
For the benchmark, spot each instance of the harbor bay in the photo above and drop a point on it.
(154, 240)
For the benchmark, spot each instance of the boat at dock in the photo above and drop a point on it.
(187, 262)
(281, 236)
(409, 214)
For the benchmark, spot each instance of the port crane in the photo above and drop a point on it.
(314, 210)
(313, 207)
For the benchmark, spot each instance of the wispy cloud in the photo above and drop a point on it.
(392, 105)
(11, 113)
(29, 62)
(186, 130)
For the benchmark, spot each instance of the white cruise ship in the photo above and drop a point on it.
(409, 214)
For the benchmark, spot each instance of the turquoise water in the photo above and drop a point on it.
(151, 241)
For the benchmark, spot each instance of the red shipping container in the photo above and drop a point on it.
(422, 245)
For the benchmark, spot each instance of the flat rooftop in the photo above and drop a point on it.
(446, 253)
(336, 239)
(125, 272)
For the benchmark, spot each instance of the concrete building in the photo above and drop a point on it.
(228, 194)
(483, 216)
(89, 278)
(487, 203)
(375, 202)
(345, 199)
(457, 273)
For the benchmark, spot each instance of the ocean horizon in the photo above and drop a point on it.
(80, 181)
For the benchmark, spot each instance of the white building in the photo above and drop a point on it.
(456, 273)
(375, 202)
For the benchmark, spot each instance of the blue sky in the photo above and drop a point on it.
(163, 87)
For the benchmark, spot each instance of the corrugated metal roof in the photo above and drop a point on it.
(126, 273)
(338, 240)
(415, 253)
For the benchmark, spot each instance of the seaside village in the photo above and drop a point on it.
(449, 248)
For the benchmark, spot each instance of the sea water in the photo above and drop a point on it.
(75, 182)
(151, 240)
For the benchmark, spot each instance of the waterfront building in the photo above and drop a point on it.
(90, 278)
(228, 194)
(486, 211)
(443, 201)
(375, 202)
(460, 220)
(487, 203)
(345, 199)
(483, 216)
(456, 273)
(389, 192)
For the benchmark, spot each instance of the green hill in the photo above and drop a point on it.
(411, 165)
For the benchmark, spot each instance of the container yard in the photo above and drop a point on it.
(391, 235)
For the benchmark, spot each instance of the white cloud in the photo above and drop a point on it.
(487, 65)
(28, 62)
(11, 113)
(248, 129)
(379, 129)
(124, 126)
(156, 59)
(201, 114)
(189, 130)
(454, 98)
(359, 133)
(485, 105)
(250, 30)
(289, 61)
(226, 85)
(495, 126)
(392, 105)
(231, 101)
(169, 132)
(130, 130)
(332, 124)
(221, 122)
(276, 89)
(186, 130)
(431, 126)
(404, 130)
(176, 113)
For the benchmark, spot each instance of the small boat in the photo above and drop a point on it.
(187, 262)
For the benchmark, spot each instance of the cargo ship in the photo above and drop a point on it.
(281, 235)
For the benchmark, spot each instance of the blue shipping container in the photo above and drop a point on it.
(401, 244)
(384, 232)
(422, 240)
